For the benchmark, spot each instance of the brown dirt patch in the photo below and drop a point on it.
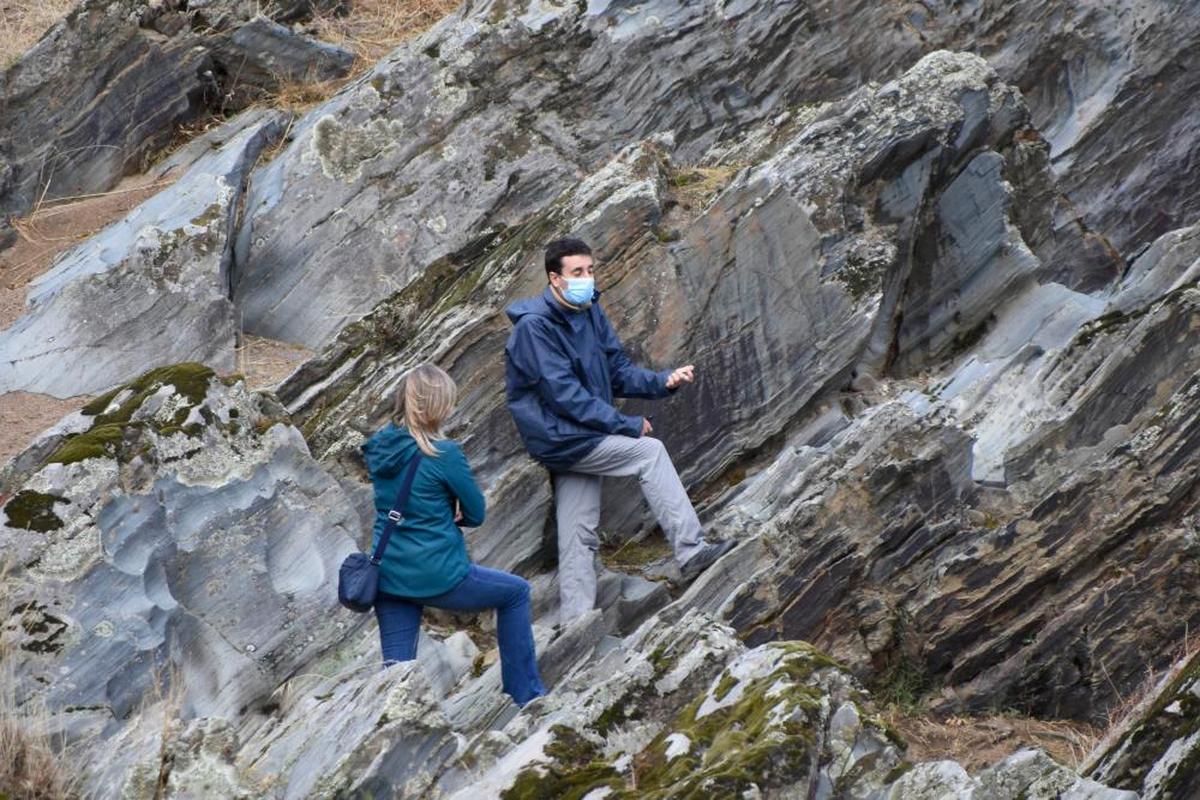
(22, 23)
(979, 742)
(374, 28)
(23, 415)
(266, 362)
(54, 228)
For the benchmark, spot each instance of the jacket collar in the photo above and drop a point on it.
(563, 315)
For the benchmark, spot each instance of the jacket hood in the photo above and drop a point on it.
(530, 305)
(544, 305)
(389, 449)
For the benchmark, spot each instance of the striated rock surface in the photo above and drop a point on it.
(1156, 752)
(150, 289)
(180, 541)
(106, 88)
(390, 173)
(942, 307)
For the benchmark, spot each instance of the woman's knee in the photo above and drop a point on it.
(519, 591)
(523, 589)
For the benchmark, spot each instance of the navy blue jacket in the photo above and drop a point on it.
(563, 369)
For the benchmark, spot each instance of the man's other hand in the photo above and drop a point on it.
(646, 426)
(681, 375)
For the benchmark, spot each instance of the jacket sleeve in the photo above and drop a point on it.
(538, 357)
(628, 379)
(461, 483)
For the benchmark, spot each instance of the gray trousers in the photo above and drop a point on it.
(577, 506)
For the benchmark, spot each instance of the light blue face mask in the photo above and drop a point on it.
(579, 291)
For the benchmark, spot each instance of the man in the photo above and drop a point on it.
(565, 365)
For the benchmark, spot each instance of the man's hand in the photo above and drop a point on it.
(681, 375)
(646, 426)
(458, 515)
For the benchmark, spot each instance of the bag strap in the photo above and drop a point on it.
(397, 512)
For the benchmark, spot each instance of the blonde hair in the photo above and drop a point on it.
(424, 398)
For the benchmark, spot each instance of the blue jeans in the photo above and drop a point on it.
(400, 623)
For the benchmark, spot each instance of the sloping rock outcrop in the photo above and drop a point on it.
(107, 87)
(162, 514)
(392, 175)
(1157, 751)
(148, 290)
(945, 401)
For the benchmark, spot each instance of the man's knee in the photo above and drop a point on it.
(651, 451)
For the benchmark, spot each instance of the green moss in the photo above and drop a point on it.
(568, 747)
(661, 661)
(726, 684)
(189, 380)
(100, 441)
(33, 511)
(897, 772)
(535, 784)
(461, 288)
(98, 405)
(208, 216)
(575, 771)
(758, 740)
(635, 553)
(612, 717)
(103, 439)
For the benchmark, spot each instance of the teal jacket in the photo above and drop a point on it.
(426, 555)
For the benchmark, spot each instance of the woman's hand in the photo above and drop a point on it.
(458, 515)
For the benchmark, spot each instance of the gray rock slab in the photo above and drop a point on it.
(148, 290)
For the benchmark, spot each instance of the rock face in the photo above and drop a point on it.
(150, 289)
(396, 157)
(992, 498)
(1157, 751)
(942, 307)
(138, 548)
(1025, 774)
(389, 175)
(106, 87)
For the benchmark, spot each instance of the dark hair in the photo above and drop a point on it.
(564, 247)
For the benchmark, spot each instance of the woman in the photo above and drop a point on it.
(425, 563)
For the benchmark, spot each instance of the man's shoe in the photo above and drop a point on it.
(705, 558)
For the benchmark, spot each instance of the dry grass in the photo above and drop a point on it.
(979, 742)
(373, 28)
(168, 703)
(266, 362)
(31, 761)
(1138, 702)
(22, 23)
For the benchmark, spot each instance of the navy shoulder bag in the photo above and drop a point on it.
(358, 578)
